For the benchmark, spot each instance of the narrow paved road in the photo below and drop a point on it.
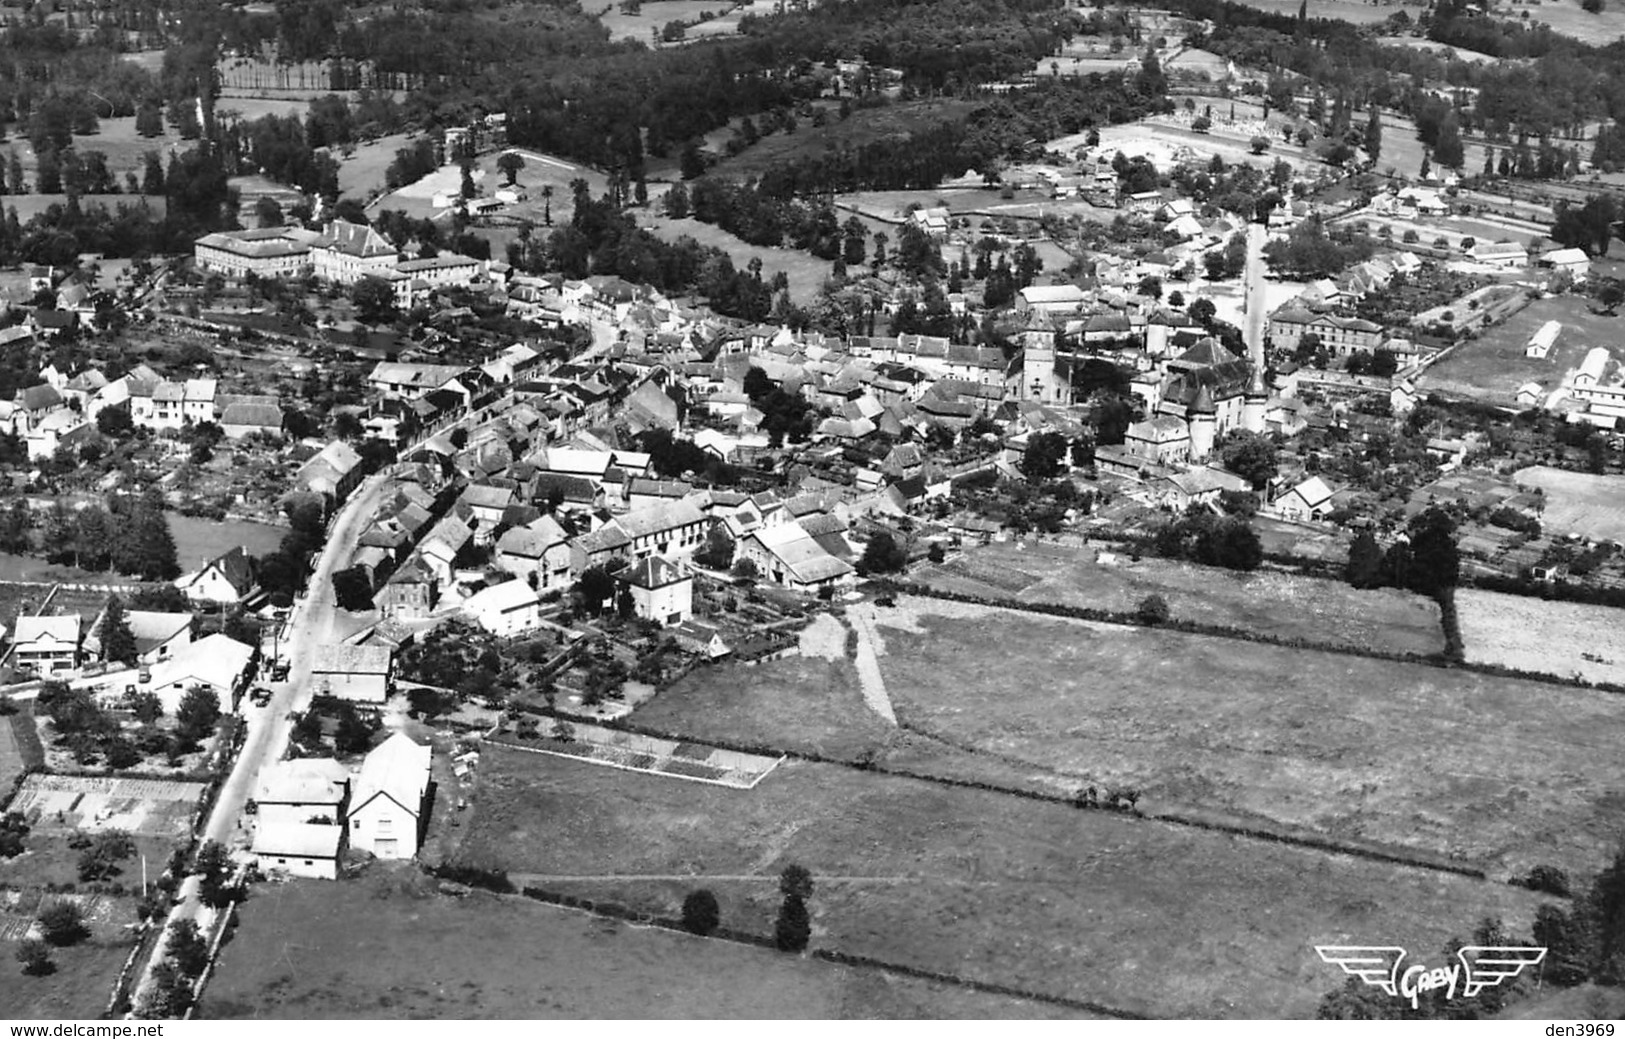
(310, 625)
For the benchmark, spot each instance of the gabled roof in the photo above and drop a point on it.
(398, 769)
(297, 840)
(234, 567)
(533, 540)
(344, 659)
(502, 598)
(265, 416)
(38, 398)
(653, 572)
(60, 629)
(302, 781)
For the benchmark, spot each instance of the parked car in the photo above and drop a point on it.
(279, 673)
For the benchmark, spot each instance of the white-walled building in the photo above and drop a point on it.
(390, 798)
(661, 592)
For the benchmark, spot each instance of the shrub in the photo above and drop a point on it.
(35, 957)
(793, 929)
(1549, 879)
(1153, 609)
(701, 914)
(63, 923)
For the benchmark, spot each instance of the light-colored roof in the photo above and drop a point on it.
(1313, 491)
(533, 539)
(653, 572)
(1596, 361)
(298, 840)
(341, 659)
(577, 461)
(302, 781)
(62, 629)
(397, 768)
(217, 659)
(200, 389)
(502, 598)
(659, 518)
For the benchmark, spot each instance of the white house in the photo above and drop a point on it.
(1572, 261)
(1592, 368)
(216, 662)
(302, 790)
(661, 592)
(1503, 255)
(1540, 344)
(509, 608)
(1308, 501)
(357, 673)
(224, 579)
(197, 400)
(540, 549)
(299, 849)
(46, 644)
(389, 800)
(157, 635)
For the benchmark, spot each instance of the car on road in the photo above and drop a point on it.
(259, 696)
(279, 673)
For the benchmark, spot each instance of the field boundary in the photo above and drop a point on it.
(595, 759)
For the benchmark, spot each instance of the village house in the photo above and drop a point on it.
(298, 849)
(675, 528)
(389, 799)
(216, 662)
(333, 472)
(509, 608)
(1308, 501)
(662, 592)
(157, 635)
(538, 552)
(46, 645)
(227, 578)
(360, 674)
(302, 790)
(409, 594)
(787, 555)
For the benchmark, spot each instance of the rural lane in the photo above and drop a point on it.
(310, 625)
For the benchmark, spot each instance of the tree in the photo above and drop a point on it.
(1153, 609)
(1364, 567)
(118, 641)
(374, 301)
(114, 422)
(1250, 456)
(197, 714)
(93, 542)
(1447, 148)
(596, 586)
(1435, 562)
(62, 923)
(1259, 145)
(793, 929)
(214, 868)
(882, 555)
(510, 163)
(796, 882)
(354, 734)
(61, 534)
(1044, 456)
(101, 860)
(701, 914)
(187, 949)
(35, 956)
(352, 589)
(1373, 134)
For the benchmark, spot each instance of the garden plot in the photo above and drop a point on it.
(671, 758)
(142, 807)
(1566, 639)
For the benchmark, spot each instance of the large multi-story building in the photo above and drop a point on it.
(345, 253)
(267, 252)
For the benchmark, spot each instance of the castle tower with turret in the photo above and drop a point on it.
(1254, 300)
(1203, 418)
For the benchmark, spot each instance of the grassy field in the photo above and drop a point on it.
(1536, 635)
(1493, 366)
(864, 126)
(805, 271)
(1338, 10)
(1088, 905)
(1579, 503)
(361, 172)
(199, 540)
(77, 990)
(1501, 772)
(306, 949)
(417, 198)
(1270, 603)
(115, 138)
(1570, 19)
(653, 15)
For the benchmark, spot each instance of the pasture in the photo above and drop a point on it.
(1285, 605)
(80, 986)
(199, 540)
(1570, 19)
(1502, 772)
(1558, 638)
(1579, 503)
(805, 271)
(307, 948)
(1339, 10)
(1492, 366)
(1077, 904)
(362, 168)
(863, 126)
(539, 172)
(115, 138)
(653, 15)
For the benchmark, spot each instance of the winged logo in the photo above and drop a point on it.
(1488, 965)
(1376, 965)
(1482, 967)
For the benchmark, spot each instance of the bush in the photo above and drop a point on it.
(35, 957)
(1153, 609)
(1548, 879)
(701, 914)
(793, 929)
(63, 923)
